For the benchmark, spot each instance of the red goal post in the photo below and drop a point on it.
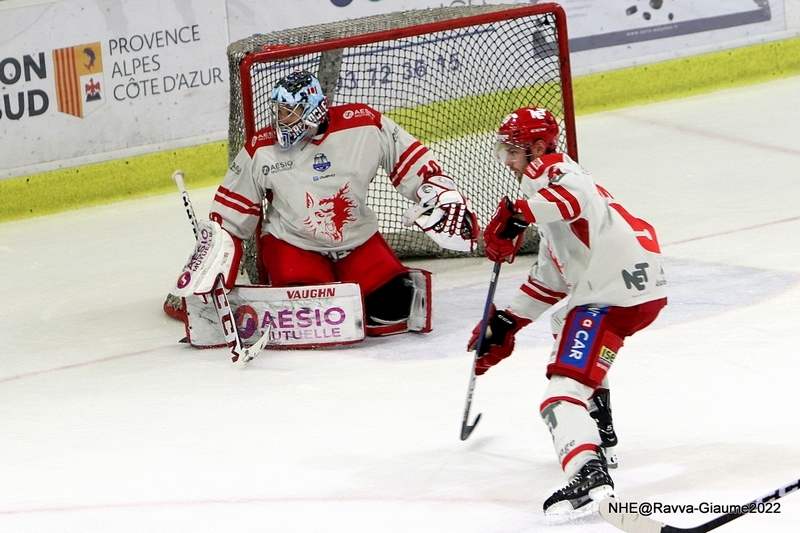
(447, 75)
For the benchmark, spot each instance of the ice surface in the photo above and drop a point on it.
(108, 424)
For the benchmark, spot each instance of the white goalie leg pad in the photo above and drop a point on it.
(420, 312)
(216, 253)
(299, 317)
(565, 411)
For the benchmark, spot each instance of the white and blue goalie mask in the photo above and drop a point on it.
(297, 104)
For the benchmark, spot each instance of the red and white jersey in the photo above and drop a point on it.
(317, 190)
(591, 250)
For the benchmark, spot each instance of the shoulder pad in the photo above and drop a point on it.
(263, 137)
(353, 115)
(541, 165)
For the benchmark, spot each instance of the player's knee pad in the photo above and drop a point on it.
(567, 389)
(402, 304)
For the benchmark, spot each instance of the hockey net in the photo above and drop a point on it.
(447, 75)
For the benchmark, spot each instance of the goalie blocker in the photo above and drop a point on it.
(304, 316)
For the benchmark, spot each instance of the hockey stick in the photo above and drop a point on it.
(466, 429)
(633, 522)
(239, 355)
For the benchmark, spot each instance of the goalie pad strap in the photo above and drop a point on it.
(422, 302)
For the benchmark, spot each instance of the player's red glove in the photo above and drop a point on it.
(498, 343)
(503, 234)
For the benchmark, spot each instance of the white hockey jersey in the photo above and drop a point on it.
(317, 190)
(591, 250)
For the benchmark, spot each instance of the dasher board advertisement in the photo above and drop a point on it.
(82, 78)
(83, 81)
(600, 31)
(604, 32)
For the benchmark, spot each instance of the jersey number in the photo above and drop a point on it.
(433, 170)
(645, 233)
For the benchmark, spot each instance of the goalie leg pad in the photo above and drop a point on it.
(391, 302)
(298, 316)
(419, 288)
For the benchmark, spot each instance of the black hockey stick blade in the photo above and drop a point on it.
(615, 513)
(466, 429)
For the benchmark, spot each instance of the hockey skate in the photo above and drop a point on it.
(605, 426)
(582, 495)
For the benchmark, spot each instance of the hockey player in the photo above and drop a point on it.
(313, 165)
(606, 266)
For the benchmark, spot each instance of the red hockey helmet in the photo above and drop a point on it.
(525, 126)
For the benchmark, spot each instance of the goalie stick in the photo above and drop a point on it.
(466, 429)
(632, 522)
(239, 355)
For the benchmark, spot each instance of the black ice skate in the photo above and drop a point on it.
(605, 426)
(582, 494)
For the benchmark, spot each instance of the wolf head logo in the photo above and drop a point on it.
(329, 215)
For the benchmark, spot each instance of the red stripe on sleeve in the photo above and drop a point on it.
(545, 290)
(567, 204)
(537, 292)
(409, 157)
(249, 209)
(524, 207)
(247, 202)
(603, 191)
(236, 207)
(403, 156)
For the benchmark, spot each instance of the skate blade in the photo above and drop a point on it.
(563, 513)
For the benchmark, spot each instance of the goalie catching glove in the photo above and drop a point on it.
(216, 253)
(498, 343)
(443, 214)
(503, 235)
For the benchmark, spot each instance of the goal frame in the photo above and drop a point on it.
(281, 52)
(328, 41)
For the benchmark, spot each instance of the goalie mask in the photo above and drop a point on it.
(524, 127)
(297, 104)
